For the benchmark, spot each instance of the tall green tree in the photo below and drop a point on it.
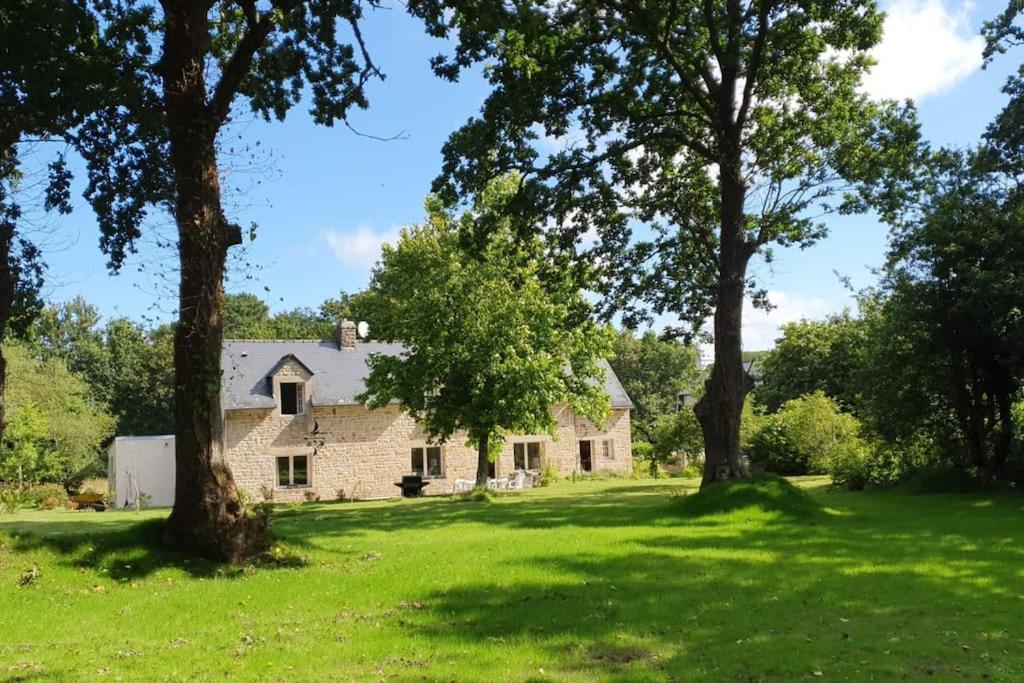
(495, 335)
(813, 355)
(245, 316)
(186, 66)
(57, 427)
(129, 369)
(724, 126)
(956, 276)
(53, 72)
(654, 371)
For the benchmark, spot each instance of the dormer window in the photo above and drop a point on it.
(291, 398)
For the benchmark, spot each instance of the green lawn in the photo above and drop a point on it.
(618, 581)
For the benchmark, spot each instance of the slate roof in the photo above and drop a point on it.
(338, 375)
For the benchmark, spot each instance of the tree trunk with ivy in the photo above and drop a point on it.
(208, 518)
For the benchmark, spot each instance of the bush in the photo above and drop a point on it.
(849, 464)
(549, 475)
(44, 496)
(694, 468)
(772, 449)
(802, 436)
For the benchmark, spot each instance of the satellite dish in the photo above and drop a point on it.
(362, 329)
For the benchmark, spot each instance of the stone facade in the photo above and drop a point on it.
(361, 453)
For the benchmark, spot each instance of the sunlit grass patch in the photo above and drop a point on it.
(584, 581)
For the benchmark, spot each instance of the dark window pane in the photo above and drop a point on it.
(519, 456)
(300, 470)
(417, 461)
(533, 456)
(434, 461)
(283, 475)
(289, 398)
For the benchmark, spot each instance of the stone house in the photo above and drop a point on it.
(292, 423)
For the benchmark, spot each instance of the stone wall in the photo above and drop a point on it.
(364, 452)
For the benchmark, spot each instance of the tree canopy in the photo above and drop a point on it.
(496, 336)
(56, 425)
(722, 127)
(813, 355)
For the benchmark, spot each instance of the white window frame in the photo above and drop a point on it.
(291, 471)
(300, 397)
(525, 445)
(425, 448)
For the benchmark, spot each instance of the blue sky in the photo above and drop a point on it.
(326, 199)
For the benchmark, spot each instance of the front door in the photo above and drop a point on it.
(586, 462)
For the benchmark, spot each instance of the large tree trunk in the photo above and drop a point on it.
(720, 408)
(483, 460)
(9, 272)
(208, 517)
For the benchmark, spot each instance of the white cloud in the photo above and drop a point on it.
(361, 247)
(761, 328)
(927, 48)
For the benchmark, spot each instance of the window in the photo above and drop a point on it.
(609, 449)
(291, 398)
(526, 456)
(427, 461)
(293, 470)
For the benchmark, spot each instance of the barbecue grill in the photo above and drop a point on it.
(412, 486)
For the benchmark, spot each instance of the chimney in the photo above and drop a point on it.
(345, 334)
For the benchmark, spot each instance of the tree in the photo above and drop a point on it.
(245, 316)
(654, 372)
(184, 65)
(57, 428)
(814, 355)
(723, 126)
(954, 283)
(495, 336)
(53, 72)
(141, 379)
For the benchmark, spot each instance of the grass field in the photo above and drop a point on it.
(616, 581)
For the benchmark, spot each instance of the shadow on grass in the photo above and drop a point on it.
(133, 552)
(767, 493)
(856, 597)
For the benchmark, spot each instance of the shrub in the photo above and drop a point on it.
(772, 449)
(549, 475)
(311, 496)
(47, 496)
(694, 468)
(849, 464)
(801, 437)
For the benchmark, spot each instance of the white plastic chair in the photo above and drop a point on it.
(516, 481)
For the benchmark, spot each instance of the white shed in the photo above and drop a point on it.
(141, 465)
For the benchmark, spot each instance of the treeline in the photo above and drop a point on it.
(74, 380)
(924, 378)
